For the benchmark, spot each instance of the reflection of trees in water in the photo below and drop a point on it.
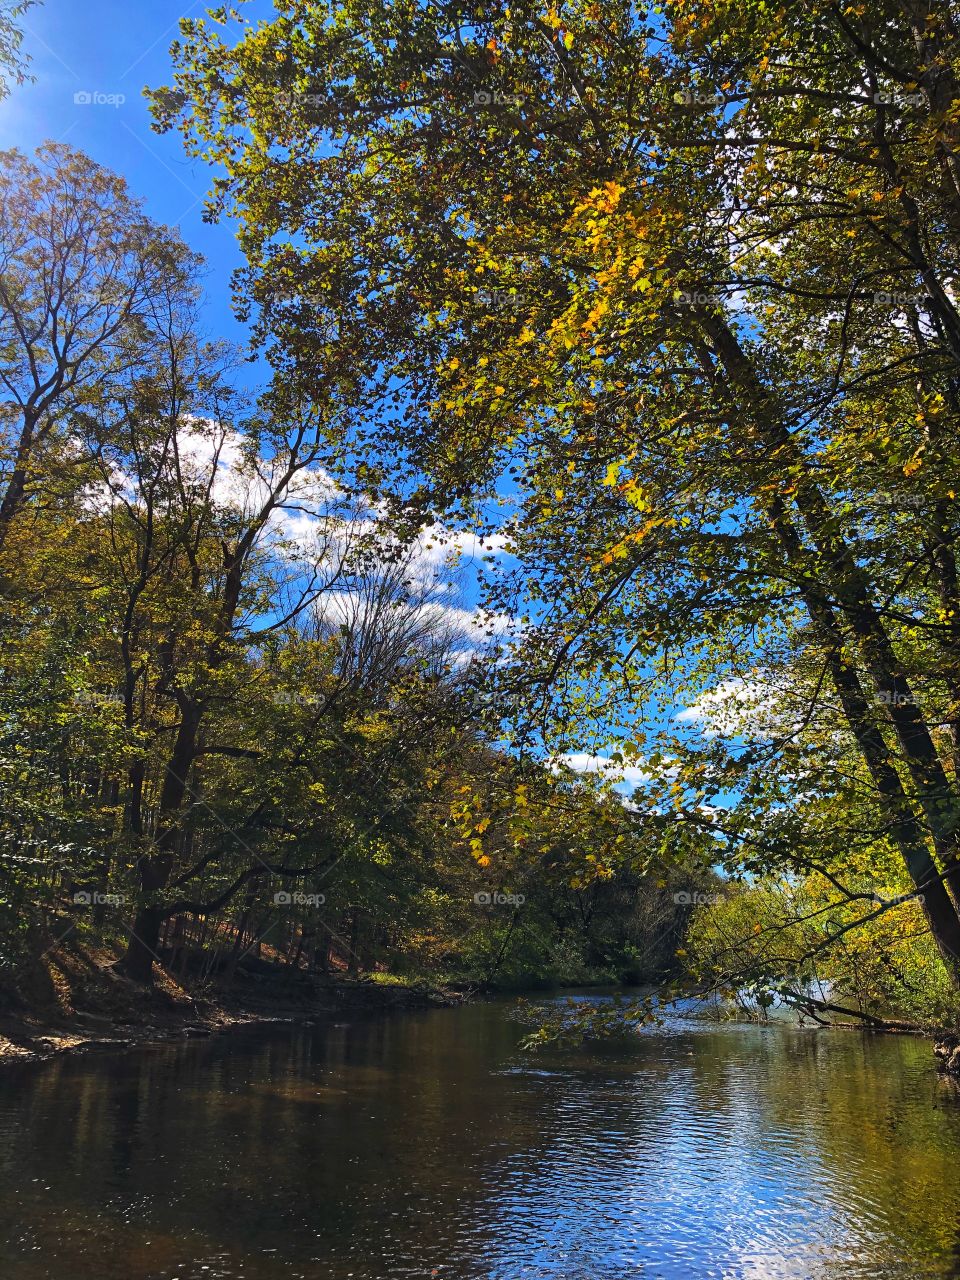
(398, 1141)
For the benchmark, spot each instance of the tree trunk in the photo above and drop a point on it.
(840, 582)
(137, 961)
(154, 868)
(353, 962)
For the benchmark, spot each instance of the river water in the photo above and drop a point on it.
(429, 1145)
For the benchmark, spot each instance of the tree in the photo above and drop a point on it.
(590, 256)
(13, 63)
(239, 709)
(85, 282)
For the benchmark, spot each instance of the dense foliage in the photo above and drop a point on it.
(661, 304)
(236, 712)
(664, 298)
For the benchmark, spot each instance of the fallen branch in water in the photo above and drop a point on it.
(810, 1005)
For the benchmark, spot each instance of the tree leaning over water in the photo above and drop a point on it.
(678, 286)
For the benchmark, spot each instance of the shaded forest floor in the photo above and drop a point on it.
(74, 1001)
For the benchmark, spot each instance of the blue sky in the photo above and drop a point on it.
(114, 48)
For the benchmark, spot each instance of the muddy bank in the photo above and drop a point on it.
(946, 1049)
(74, 1001)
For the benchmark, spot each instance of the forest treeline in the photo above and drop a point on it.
(660, 305)
(236, 713)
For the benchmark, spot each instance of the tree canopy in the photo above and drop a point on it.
(236, 705)
(665, 298)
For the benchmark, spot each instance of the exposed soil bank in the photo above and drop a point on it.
(74, 1001)
(947, 1052)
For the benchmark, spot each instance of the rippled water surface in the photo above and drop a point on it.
(428, 1145)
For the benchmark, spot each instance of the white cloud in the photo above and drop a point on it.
(633, 775)
(212, 455)
(316, 522)
(439, 545)
(468, 629)
(737, 708)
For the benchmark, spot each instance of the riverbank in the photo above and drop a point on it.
(74, 1001)
(946, 1049)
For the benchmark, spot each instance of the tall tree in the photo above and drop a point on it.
(85, 282)
(680, 283)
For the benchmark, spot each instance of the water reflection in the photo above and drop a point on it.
(428, 1145)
